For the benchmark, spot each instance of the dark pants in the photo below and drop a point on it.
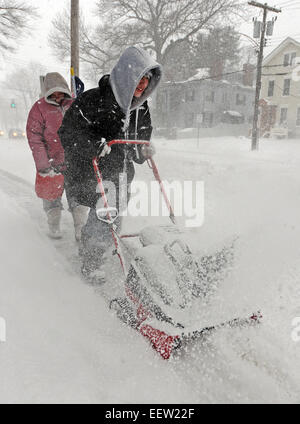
(96, 239)
(96, 236)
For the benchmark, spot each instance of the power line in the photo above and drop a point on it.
(213, 77)
(285, 3)
(272, 75)
(289, 4)
(292, 8)
(283, 36)
(200, 79)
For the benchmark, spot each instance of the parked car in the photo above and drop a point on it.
(16, 133)
(166, 132)
(279, 132)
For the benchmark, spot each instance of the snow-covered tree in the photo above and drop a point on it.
(217, 50)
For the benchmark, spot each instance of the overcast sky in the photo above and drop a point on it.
(35, 46)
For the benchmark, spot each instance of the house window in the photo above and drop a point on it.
(286, 87)
(208, 118)
(190, 95)
(240, 99)
(224, 97)
(210, 97)
(173, 100)
(286, 60)
(283, 115)
(271, 88)
(289, 59)
(189, 120)
(298, 117)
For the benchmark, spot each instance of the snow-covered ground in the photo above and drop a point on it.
(64, 345)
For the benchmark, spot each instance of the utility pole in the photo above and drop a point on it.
(266, 8)
(75, 36)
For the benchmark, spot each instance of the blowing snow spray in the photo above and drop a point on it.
(296, 329)
(2, 330)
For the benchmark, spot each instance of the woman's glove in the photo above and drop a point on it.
(59, 169)
(48, 172)
(103, 148)
(147, 151)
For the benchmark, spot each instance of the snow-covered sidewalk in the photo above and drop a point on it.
(64, 345)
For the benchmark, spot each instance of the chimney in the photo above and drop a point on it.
(217, 69)
(248, 74)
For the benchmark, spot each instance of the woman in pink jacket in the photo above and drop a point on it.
(44, 120)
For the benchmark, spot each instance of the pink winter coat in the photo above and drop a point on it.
(44, 120)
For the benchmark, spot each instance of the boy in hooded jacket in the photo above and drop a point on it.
(116, 109)
(43, 122)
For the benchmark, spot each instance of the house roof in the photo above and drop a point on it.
(196, 79)
(201, 73)
(281, 46)
(233, 113)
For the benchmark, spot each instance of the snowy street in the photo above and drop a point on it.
(64, 345)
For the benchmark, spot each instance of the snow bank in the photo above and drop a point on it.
(63, 344)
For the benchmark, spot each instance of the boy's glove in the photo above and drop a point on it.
(147, 151)
(103, 148)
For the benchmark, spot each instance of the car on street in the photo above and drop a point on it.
(16, 133)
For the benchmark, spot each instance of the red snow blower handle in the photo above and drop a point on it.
(152, 165)
(145, 142)
(110, 220)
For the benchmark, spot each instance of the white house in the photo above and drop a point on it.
(280, 93)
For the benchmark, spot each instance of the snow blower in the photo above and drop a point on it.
(163, 277)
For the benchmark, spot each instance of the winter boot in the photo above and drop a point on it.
(79, 217)
(54, 216)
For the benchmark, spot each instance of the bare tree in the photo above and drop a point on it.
(59, 37)
(156, 25)
(59, 40)
(14, 20)
(24, 84)
(160, 25)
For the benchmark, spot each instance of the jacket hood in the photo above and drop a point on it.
(55, 82)
(133, 64)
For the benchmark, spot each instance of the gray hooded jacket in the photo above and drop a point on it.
(55, 82)
(133, 64)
